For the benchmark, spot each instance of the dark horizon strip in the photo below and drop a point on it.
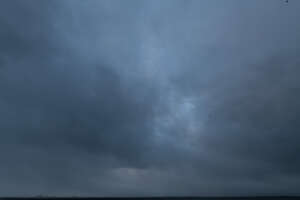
(157, 197)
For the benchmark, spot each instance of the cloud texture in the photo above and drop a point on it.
(134, 98)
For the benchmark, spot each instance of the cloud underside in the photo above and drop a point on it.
(115, 98)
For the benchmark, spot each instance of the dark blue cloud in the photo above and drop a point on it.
(122, 98)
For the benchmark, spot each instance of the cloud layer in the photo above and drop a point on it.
(131, 98)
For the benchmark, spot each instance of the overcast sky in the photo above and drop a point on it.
(149, 97)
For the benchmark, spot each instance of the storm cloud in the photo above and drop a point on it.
(134, 98)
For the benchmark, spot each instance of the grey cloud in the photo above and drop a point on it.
(131, 98)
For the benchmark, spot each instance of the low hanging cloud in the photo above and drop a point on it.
(115, 98)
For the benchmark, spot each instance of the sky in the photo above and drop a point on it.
(149, 97)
